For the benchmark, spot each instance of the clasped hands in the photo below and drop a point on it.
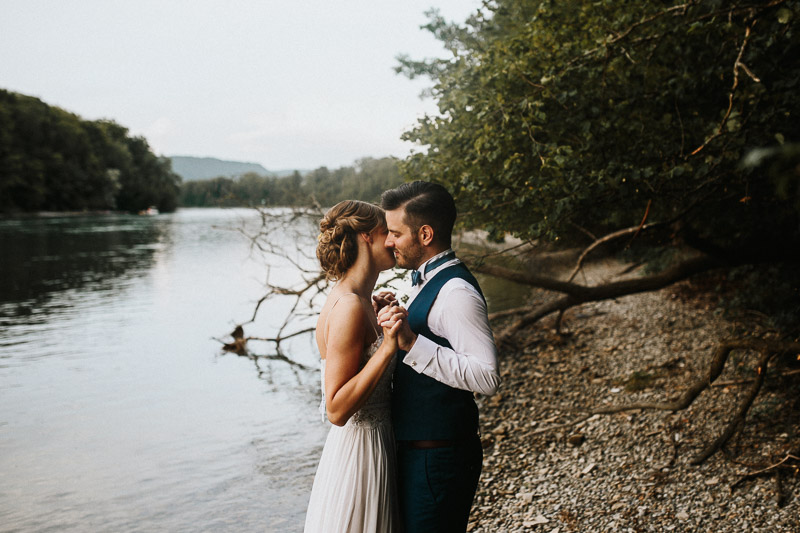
(390, 312)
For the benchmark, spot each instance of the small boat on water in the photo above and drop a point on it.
(152, 210)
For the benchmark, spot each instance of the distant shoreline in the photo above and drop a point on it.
(53, 214)
(97, 212)
(58, 214)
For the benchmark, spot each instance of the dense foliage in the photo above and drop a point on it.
(364, 181)
(52, 160)
(562, 117)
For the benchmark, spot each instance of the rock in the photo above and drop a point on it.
(539, 520)
(576, 439)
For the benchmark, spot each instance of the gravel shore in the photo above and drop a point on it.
(631, 471)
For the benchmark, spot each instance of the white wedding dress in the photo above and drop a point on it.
(354, 488)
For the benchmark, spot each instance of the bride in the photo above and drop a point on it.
(354, 487)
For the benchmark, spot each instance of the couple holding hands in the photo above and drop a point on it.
(404, 453)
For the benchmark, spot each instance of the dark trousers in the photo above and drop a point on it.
(436, 486)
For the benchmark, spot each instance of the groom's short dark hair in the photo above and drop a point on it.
(424, 203)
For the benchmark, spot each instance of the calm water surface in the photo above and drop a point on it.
(118, 411)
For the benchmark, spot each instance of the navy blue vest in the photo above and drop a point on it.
(423, 408)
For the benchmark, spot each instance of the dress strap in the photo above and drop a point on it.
(325, 330)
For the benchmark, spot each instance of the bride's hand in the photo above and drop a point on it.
(390, 319)
(394, 321)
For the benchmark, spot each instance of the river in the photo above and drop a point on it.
(119, 411)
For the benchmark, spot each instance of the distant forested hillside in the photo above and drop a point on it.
(363, 181)
(203, 168)
(53, 160)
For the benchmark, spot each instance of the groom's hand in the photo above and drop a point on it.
(382, 299)
(405, 337)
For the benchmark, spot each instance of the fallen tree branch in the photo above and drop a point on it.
(635, 230)
(767, 348)
(716, 367)
(318, 281)
(279, 338)
(768, 470)
(740, 414)
(508, 312)
(282, 358)
(774, 470)
(733, 382)
(582, 293)
(576, 294)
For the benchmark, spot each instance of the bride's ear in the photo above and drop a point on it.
(367, 237)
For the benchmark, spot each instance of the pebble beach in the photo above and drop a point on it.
(549, 467)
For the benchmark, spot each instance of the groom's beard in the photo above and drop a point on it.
(410, 256)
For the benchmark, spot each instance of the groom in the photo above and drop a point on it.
(447, 354)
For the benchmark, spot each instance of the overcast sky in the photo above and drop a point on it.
(288, 84)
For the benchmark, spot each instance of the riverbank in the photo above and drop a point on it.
(631, 471)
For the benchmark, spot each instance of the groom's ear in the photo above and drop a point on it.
(426, 234)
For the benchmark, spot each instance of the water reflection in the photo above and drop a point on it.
(117, 412)
(46, 255)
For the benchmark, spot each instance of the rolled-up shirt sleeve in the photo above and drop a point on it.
(459, 315)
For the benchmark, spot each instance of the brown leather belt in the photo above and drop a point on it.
(428, 444)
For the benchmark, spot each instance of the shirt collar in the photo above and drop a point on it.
(427, 274)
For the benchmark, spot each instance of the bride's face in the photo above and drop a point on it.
(383, 256)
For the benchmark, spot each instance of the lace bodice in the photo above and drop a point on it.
(377, 409)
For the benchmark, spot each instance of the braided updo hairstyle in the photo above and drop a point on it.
(337, 246)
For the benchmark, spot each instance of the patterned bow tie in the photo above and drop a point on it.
(416, 275)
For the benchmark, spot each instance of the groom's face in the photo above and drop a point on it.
(403, 240)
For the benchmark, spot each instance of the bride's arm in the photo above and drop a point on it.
(347, 388)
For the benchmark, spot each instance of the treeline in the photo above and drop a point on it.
(363, 181)
(53, 160)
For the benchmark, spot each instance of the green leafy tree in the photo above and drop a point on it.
(560, 119)
(558, 115)
(51, 159)
(48, 161)
(148, 181)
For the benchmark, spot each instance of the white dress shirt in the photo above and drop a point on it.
(458, 314)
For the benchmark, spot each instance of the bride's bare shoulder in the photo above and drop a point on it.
(340, 321)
